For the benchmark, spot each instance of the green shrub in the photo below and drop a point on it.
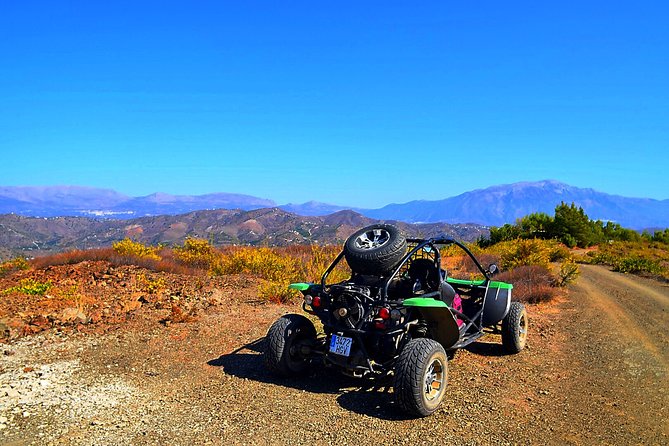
(642, 257)
(568, 272)
(523, 253)
(636, 265)
(196, 252)
(557, 252)
(16, 264)
(127, 247)
(30, 287)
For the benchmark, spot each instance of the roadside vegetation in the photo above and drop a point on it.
(276, 268)
(645, 258)
(624, 250)
(538, 269)
(16, 264)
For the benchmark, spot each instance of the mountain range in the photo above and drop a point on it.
(492, 206)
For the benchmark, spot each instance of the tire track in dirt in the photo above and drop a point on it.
(619, 347)
(602, 286)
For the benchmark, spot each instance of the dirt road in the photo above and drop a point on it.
(596, 372)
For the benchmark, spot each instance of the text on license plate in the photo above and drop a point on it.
(340, 345)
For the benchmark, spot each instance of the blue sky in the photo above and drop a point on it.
(353, 103)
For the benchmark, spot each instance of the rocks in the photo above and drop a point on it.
(73, 314)
(37, 398)
(11, 393)
(98, 296)
(4, 330)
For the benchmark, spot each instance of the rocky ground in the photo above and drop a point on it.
(595, 372)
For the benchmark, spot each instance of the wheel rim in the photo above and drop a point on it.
(295, 359)
(522, 328)
(374, 238)
(434, 380)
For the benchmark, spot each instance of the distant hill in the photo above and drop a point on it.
(314, 208)
(159, 203)
(31, 236)
(57, 200)
(502, 204)
(88, 201)
(492, 206)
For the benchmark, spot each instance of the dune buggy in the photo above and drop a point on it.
(399, 314)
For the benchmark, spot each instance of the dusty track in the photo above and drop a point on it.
(595, 373)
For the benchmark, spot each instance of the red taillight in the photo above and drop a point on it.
(316, 302)
(384, 313)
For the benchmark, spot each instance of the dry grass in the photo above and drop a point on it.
(531, 283)
(166, 262)
(526, 264)
(276, 267)
(279, 267)
(526, 261)
(16, 264)
(642, 258)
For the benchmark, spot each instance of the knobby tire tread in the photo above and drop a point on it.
(408, 371)
(377, 261)
(277, 338)
(511, 328)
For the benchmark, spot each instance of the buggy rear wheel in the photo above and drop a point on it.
(285, 343)
(514, 328)
(421, 375)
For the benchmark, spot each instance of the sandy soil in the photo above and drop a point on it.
(595, 372)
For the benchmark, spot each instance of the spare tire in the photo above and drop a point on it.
(375, 249)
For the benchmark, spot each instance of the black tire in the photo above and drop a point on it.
(421, 375)
(375, 249)
(514, 328)
(282, 345)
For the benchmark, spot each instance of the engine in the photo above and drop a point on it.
(350, 306)
(359, 328)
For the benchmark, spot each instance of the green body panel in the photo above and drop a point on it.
(465, 282)
(299, 286)
(502, 285)
(424, 302)
(492, 284)
(441, 322)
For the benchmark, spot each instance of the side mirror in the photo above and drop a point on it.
(493, 269)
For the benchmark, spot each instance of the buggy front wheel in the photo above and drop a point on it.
(514, 328)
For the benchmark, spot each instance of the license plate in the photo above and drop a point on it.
(340, 345)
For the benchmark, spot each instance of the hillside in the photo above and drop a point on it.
(272, 226)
